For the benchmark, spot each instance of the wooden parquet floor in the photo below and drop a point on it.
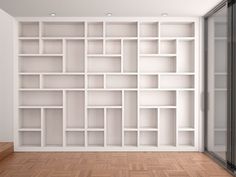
(6, 149)
(107, 164)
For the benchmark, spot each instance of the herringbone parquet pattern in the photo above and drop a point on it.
(110, 165)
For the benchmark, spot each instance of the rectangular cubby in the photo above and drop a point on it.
(185, 56)
(157, 98)
(148, 81)
(95, 47)
(40, 64)
(121, 29)
(52, 47)
(114, 127)
(220, 138)
(172, 29)
(29, 29)
(121, 81)
(113, 47)
(104, 98)
(220, 29)
(95, 81)
(95, 118)
(186, 109)
(40, 98)
(75, 109)
(63, 29)
(29, 81)
(157, 64)
(75, 138)
(104, 64)
(168, 47)
(220, 109)
(53, 127)
(95, 29)
(149, 29)
(148, 47)
(167, 128)
(29, 46)
(177, 81)
(130, 138)
(148, 118)
(30, 118)
(130, 109)
(30, 139)
(95, 138)
(63, 81)
(130, 55)
(221, 81)
(148, 138)
(75, 52)
(186, 138)
(220, 54)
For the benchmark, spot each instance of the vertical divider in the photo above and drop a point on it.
(176, 120)
(159, 36)
(158, 81)
(138, 76)
(122, 56)
(104, 81)
(86, 87)
(177, 56)
(123, 118)
(158, 127)
(105, 127)
(64, 55)
(40, 37)
(64, 118)
(40, 81)
(42, 127)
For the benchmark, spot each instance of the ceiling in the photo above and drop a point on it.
(101, 7)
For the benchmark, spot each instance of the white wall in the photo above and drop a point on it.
(6, 76)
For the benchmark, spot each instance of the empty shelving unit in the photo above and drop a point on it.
(107, 84)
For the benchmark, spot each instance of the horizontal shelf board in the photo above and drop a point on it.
(109, 73)
(64, 37)
(114, 107)
(186, 129)
(167, 73)
(220, 73)
(221, 89)
(40, 55)
(30, 130)
(74, 129)
(130, 129)
(158, 55)
(95, 129)
(220, 129)
(53, 73)
(104, 55)
(177, 38)
(220, 38)
(148, 129)
(148, 38)
(162, 107)
(29, 38)
(52, 89)
(47, 107)
(111, 89)
(166, 89)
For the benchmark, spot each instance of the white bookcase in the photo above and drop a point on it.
(115, 84)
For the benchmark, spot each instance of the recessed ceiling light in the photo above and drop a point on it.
(52, 14)
(109, 14)
(164, 14)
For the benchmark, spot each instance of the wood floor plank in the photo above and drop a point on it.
(110, 164)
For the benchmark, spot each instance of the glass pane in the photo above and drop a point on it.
(217, 83)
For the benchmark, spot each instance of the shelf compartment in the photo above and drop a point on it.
(148, 118)
(130, 55)
(114, 127)
(63, 81)
(168, 47)
(148, 81)
(113, 47)
(30, 118)
(130, 138)
(121, 29)
(52, 47)
(176, 81)
(29, 81)
(95, 47)
(221, 81)
(186, 138)
(220, 107)
(75, 109)
(30, 139)
(29, 46)
(75, 53)
(177, 29)
(95, 29)
(95, 81)
(40, 64)
(104, 98)
(185, 109)
(149, 47)
(95, 138)
(40, 98)
(75, 138)
(157, 98)
(130, 109)
(157, 64)
(53, 127)
(149, 29)
(95, 118)
(29, 29)
(220, 29)
(104, 64)
(121, 81)
(220, 138)
(185, 56)
(167, 128)
(220, 54)
(63, 29)
(148, 138)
